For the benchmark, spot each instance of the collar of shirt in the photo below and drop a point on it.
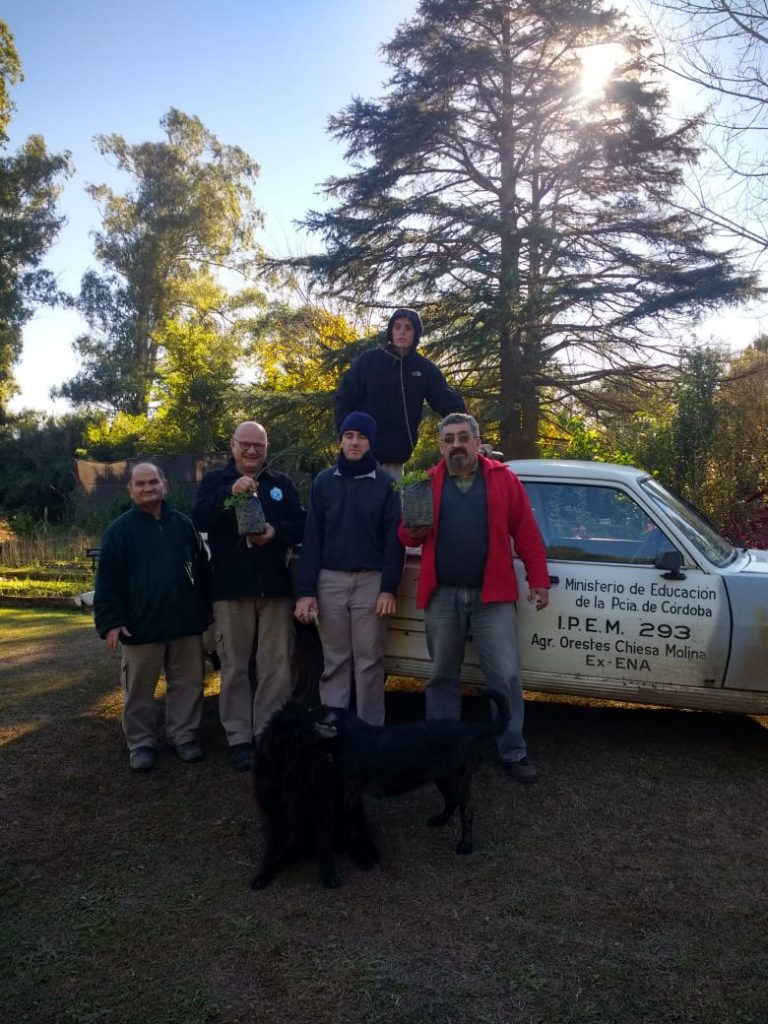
(362, 476)
(463, 482)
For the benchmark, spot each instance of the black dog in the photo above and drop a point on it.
(297, 783)
(387, 760)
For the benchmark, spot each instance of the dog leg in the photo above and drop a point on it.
(268, 867)
(329, 876)
(359, 842)
(448, 791)
(324, 828)
(466, 843)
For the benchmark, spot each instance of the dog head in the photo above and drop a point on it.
(326, 730)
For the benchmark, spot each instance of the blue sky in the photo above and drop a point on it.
(260, 74)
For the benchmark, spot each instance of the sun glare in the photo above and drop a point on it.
(597, 65)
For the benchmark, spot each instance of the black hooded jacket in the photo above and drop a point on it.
(393, 390)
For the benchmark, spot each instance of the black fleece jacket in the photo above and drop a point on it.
(240, 571)
(393, 390)
(153, 578)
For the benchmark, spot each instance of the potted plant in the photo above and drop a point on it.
(249, 512)
(415, 490)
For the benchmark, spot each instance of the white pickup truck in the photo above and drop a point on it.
(648, 602)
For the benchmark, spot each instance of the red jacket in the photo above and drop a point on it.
(509, 515)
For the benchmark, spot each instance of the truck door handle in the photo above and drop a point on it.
(554, 580)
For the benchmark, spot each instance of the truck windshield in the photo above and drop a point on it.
(697, 530)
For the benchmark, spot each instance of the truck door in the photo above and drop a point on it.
(612, 616)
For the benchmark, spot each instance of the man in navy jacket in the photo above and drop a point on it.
(350, 569)
(391, 384)
(252, 587)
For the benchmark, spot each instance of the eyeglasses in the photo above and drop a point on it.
(256, 446)
(459, 439)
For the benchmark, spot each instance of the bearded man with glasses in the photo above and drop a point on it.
(252, 587)
(467, 583)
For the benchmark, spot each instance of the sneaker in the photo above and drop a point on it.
(522, 771)
(241, 756)
(189, 752)
(142, 759)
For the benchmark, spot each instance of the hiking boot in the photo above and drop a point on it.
(241, 756)
(189, 751)
(142, 759)
(522, 771)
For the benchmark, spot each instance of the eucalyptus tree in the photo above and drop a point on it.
(169, 248)
(30, 184)
(530, 220)
(10, 74)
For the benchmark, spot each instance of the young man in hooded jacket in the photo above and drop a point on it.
(391, 384)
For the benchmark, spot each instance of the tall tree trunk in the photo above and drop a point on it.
(519, 426)
(519, 421)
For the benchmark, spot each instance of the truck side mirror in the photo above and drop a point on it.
(671, 560)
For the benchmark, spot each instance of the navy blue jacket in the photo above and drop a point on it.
(352, 525)
(153, 578)
(393, 390)
(240, 571)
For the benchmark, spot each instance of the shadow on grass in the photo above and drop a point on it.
(627, 887)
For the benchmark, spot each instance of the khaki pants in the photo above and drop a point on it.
(353, 637)
(244, 714)
(181, 661)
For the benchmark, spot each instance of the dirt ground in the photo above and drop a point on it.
(628, 886)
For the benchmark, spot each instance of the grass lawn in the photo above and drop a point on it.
(628, 886)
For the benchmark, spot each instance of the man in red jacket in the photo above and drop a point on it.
(467, 582)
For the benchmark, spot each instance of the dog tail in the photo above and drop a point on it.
(501, 704)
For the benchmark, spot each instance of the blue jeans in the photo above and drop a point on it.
(453, 613)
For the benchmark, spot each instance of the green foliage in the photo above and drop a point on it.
(180, 499)
(10, 74)
(40, 588)
(704, 434)
(162, 327)
(300, 348)
(413, 476)
(237, 500)
(675, 435)
(112, 438)
(531, 223)
(29, 190)
(694, 424)
(572, 436)
(36, 473)
(25, 523)
(739, 452)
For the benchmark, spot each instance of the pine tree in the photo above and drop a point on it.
(529, 221)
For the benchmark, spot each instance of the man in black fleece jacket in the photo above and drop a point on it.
(153, 598)
(252, 587)
(391, 384)
(350, 568)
